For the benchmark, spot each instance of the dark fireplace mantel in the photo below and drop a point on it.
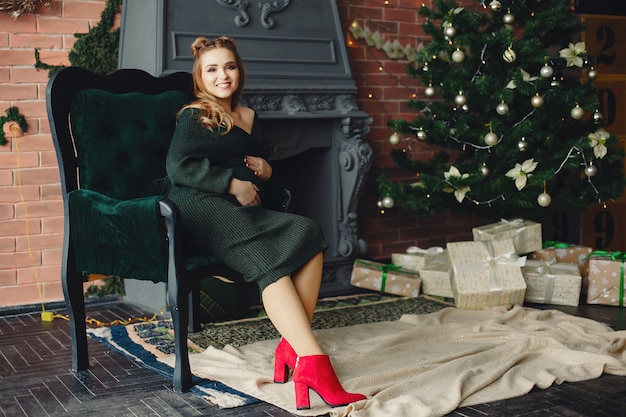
(300, 84)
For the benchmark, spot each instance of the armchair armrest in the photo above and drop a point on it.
(125, 238)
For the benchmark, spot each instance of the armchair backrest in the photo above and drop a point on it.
(112, 132)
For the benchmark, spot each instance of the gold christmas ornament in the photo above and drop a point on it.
(544, 199)
(509, 55)
(394, 139)
(536, 101)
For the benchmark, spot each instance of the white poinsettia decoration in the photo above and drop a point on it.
(597, 141)
(459, 192)
(572, 54)
(521, 172)
(525, 76)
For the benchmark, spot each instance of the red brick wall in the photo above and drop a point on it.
(31, 210)
(31, 222)
(390, 91)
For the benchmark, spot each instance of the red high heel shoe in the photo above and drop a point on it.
(316, 372)
(284, 359)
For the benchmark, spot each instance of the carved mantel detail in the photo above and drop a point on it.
(355, 160)
(243, 17)
(291, 104)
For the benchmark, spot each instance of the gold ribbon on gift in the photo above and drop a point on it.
(614, 256)
(386, 268)
(548, 269)
(490, 264)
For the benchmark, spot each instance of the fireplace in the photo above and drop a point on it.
(300, 84)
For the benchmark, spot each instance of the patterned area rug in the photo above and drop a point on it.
(150, 343)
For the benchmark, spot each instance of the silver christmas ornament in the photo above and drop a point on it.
(458, 56)
(380, 204)
(449, 31)
(495, 6)
(429, 91)
(421, 135)
(460, 99)
(591, 170)
(592, 74)
(536, 101)
(546, 71)
(554, 83)
(577, 112)
(388, 202)
(484, 170)
(597, 117)
(508, 18)
(544, 199)
(465, 108)
(502, 108)
(394, 139)
(522, 145)
(491, 139)
(509, 55)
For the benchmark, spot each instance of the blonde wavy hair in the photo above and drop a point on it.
(213, 116)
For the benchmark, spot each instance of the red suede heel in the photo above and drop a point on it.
(316, 372)
(284, 359)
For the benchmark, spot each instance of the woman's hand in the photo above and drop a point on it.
(259, 166)
(246, 193)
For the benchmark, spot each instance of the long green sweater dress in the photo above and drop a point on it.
(261, 244)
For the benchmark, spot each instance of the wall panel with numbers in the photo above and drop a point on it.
(603, 226)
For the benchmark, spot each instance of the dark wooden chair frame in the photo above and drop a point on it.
(60, 90)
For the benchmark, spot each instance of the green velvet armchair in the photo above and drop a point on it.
(111, 134)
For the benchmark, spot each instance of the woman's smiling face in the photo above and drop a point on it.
(220, 73)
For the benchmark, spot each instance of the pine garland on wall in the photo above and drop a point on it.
(97, 49)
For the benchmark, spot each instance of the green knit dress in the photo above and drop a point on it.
(261, 244)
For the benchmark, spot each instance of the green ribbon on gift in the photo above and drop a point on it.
(555, 244)
(614, 256)
(385, 269)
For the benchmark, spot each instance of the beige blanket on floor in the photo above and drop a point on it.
(429, 365)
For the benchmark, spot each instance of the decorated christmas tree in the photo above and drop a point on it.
(509, 108)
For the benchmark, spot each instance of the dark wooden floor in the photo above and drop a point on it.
(35, 379)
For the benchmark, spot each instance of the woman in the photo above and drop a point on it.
(216, 166)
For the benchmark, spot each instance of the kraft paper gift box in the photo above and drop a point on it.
(564, 252)
(486, 274)
(433, 265)
(551, 282)
(606, 278)
(388, 278)
(526, 234)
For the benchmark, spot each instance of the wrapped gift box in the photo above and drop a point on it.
(433, 265)
(526, 234)
(566, 253)
(486, 274)
(415, 257)
(390, 278)
(606, 280)
(550, 282)
(437, 278)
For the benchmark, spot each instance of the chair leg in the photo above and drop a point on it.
(194, 306)
(72, 284)
(179, 309)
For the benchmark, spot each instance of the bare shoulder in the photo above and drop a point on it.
(244, 118)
